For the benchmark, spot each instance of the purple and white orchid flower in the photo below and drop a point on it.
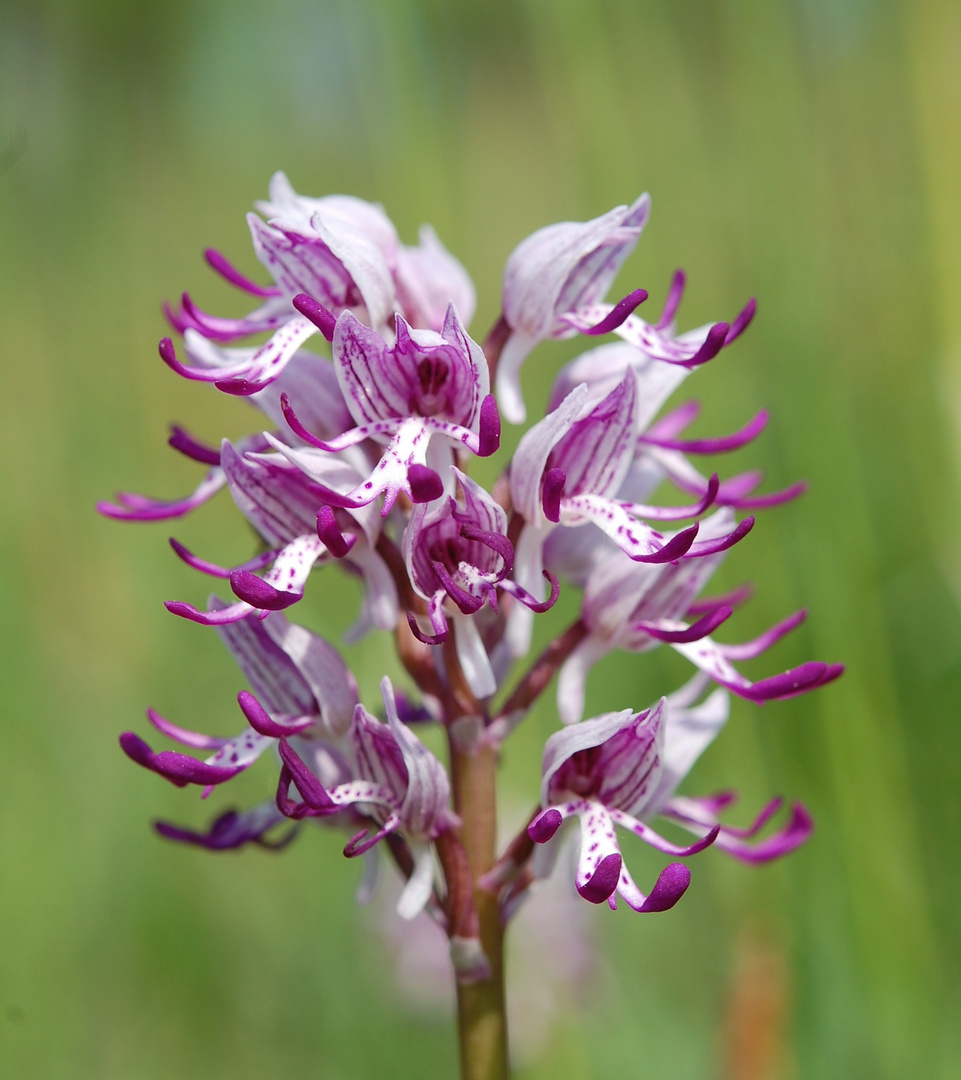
(621, 769)
(289, 511)
(426, 384)
(566, 471)
(458, 556)
(636, 608)
(554, 285)
(340, 250)
(303, 688)
(601, 772)
(559, 269)
(398, 783)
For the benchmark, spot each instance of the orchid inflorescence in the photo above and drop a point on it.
(366, 464)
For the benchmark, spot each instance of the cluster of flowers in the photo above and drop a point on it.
(366, 465)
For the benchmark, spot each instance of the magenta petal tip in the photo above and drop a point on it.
(603, 881)
(259, 593)
(670, 886)
(425, 484)
(543, 827)
(321, 317)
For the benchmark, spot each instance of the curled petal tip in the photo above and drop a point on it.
(489, 430)
(543, 827)
(742, 322)
(425, 639)
(673, 550)
(619, 313)
(259, 593)
(603, 881)
(168, 353)
(425, 484)
(184, 610)
(796, 681)
(135, 748)
(239, 387)
(297, 427)
(670, 886)
(552, 493)
(179, 769)
(704, 626)
(259, 719)
(330, 533)
(311, 790)
(321, 317)
(188, 446)
(713, 343)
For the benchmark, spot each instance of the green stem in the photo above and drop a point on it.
(481, 1015)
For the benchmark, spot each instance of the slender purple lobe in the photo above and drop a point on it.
(265, 558)
(206, 618)
(182, 735)
(227, 832)
(668, 889)
(466, 601)
(763, 817)
(497, 542)
(311, 790)
(552, 492)
(721, 543)
(323, 319)
(179, 769)
(543, 827)
(425, 484)
(537, 606)
(834, 671)
(742, 322)
(426, 639)
(707, 625)
(763, 502)
(713, 344)
(230, 273)
(489, 429)
(764, 641)
(804, 677)
(363, 841)
(260, 721)
(331, 535)
(239, 386)
(675, 547)
(604, 880)
(734, 598)
(673, 301)
(674, 422)
(298, 428)
(190, 447)
(619, 313)
(169, 356)
(259, 593)
(722, 445)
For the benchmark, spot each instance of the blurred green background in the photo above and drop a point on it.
(807, 152)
